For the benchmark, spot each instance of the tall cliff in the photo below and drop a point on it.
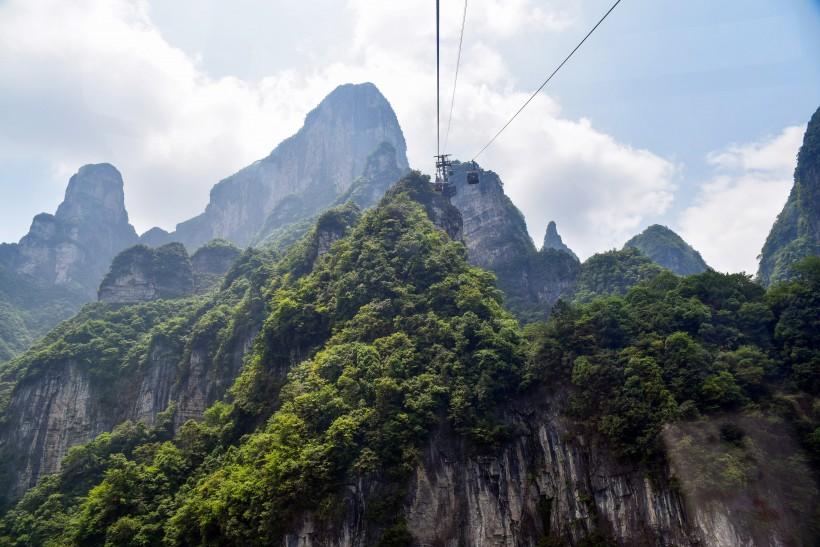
(796, 232)
(301, 176)
(58, 265)
(497, 239)
(668, 249)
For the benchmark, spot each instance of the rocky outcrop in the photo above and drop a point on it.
(666, 248)
(57, 266)
(211, 262)
(74, 247)
(141, 274)
(552, 240)
(304, 174)
(497, 239)
(796, 232)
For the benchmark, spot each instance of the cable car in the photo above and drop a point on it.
(472, 174)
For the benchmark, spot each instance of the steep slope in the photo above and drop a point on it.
(668, 249)
(796, 232)
(58, 265)
(301, 176)
(286, 225)
(110, 364)
(389, 400)
(497, 239)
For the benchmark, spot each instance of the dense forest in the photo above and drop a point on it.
(368, 350)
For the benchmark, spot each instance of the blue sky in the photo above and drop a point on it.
(681, 112)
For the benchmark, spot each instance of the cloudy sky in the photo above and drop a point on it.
(688, 113)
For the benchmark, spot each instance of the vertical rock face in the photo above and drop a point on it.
(549, 484)
(75, 246)
(668, 249)
(497, 239)
(552, 240)
(796, 232)
(140, 274)
(310, 169)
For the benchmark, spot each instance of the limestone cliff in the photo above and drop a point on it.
(74, 247)
(57, 266)
(553, 483)
(304, 174)
(141, 274)
(666, 248)
(552, 240)
(497, 239)
(796, 232)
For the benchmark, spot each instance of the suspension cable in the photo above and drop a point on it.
(455, 80)
(438, 85)
(554, 72)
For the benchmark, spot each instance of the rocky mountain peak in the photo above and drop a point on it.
(305, 174)
(552, 240)
(95, 191)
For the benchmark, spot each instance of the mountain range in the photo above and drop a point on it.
(332, 354)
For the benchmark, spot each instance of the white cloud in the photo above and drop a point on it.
(105, 85)
(734, 211)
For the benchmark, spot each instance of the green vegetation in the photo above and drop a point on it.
(377, 337)
(28, 310)
(796, 233)
(167, 267)
(613, 272)
(667, 249)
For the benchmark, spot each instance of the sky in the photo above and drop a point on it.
(685, 113)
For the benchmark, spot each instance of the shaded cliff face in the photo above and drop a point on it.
(141, 274)
(496, 237)
(56, 267)
(668, 249)
(305, 173)
(74, 246)
(553, 483)
(288, 222)
(796, 232)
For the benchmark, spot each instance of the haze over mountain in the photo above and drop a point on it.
(305, 173)
(58, 265)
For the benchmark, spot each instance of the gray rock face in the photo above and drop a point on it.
(64, 406)
(497, 239)
(140, 274)
(155, 237)
(309, 170)
(551, 484)
(552, 240)
(666, 248)
(74, 246)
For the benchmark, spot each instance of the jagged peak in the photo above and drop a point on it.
(552, 240)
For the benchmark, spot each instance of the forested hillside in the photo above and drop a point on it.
(382, 348)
